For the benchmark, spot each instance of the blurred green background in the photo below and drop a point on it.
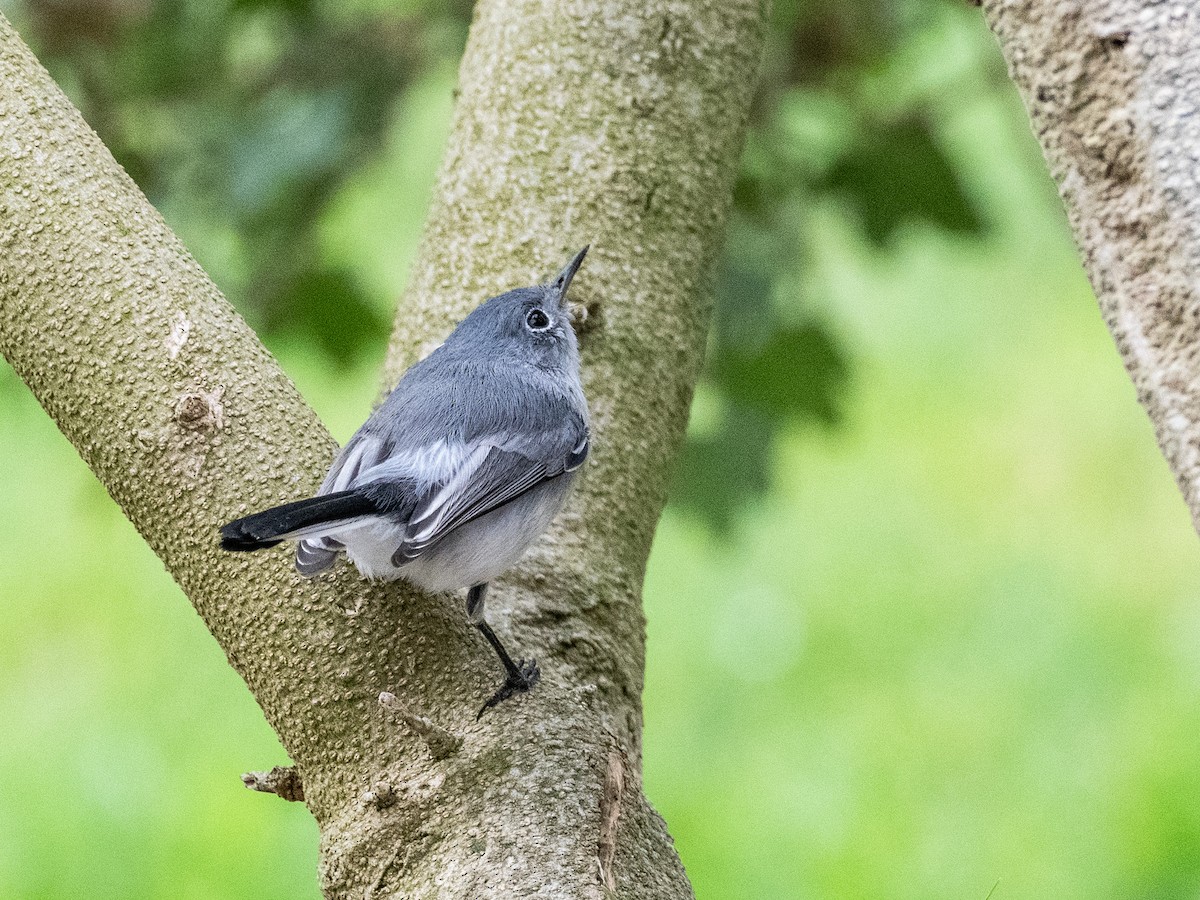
(923, 613)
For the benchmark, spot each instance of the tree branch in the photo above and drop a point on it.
(617, 124)
(1111, 88)
(614, 123)
(283, 781)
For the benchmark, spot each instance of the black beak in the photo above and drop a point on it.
(563, 281)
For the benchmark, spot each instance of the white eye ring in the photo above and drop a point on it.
(537, 320)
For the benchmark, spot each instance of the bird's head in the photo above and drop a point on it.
(533, 324)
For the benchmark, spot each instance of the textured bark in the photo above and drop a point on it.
(614, 123)
(1112, 88)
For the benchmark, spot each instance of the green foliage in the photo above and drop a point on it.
(896, 173)
(821, 135)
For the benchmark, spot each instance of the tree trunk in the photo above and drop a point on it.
(609, 122)
(1112, 87)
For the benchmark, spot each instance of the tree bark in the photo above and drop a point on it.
(613, 122)
(1111, 87)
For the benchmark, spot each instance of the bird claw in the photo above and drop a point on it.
(521, 679)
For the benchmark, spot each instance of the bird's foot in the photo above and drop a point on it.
(520, 679)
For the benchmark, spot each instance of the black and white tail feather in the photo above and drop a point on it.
(296, 520)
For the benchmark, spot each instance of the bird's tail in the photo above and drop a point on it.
(304, 518)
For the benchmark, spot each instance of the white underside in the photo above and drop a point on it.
(471, 554)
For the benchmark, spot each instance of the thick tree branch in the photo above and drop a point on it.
(1112, 87)
(615, 123)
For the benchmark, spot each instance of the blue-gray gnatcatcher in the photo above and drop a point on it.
(460, 469)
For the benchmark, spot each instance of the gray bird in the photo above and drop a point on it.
(460, 469)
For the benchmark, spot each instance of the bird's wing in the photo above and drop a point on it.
(496, 471)
(361, 453)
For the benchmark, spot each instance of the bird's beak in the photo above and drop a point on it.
(560, 284)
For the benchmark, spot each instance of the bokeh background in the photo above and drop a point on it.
(924, 618)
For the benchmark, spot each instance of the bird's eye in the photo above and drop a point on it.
(537, 320)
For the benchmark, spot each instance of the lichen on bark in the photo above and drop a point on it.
(607, 122)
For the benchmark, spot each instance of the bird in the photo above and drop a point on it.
(460, 469)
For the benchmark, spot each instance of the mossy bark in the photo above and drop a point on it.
(1111, 87)
(612, 123)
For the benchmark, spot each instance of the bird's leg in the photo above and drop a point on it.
(475, 598)
(521, 675)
